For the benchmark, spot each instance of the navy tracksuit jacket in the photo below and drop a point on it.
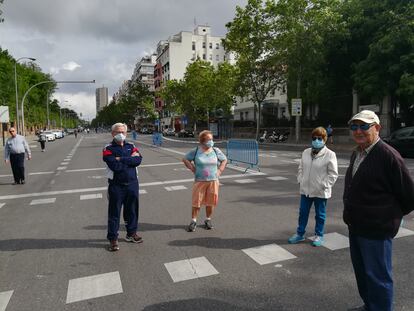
(123, 187)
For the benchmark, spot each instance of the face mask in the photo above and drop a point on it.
(119, 137)
(209, 144)
(318, 144)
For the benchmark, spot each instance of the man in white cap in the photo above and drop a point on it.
(379, 191)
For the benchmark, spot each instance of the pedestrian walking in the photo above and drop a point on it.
(317, 173)
(378, 193)
(329, 131)
(207, 163)
(42, 141)
(14, 151)
(134, 134)
(122, 158)
(76, 133)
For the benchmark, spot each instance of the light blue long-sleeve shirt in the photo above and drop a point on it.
(17, 144)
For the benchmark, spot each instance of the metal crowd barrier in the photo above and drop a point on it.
(244, 151)
(157, 139)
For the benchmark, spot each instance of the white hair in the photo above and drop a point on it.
(116, 125)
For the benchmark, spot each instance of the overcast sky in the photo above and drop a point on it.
(100, 39)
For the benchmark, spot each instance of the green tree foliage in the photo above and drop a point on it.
(28, 74)
(251, 37)
(203, 91)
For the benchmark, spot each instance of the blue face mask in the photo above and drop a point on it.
(209, 143)
(318, 144)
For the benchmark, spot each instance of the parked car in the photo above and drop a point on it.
(50, 136)
(169, 132)
(146, 130)
(403, 141)
(185, 133)
(58, 133)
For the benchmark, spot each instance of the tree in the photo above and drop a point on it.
(251, 37)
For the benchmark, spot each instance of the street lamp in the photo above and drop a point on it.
(15, 84)
(43, 82)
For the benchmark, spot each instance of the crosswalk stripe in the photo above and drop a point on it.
(94, 286)
(61, 168)
(90, 196)
(276, 178)
(266, 254)
(174, 188)
(4, 299)
(43, 201)
(403, 232)
(189, 269)
(2, 204)
(245, 181)
(142, 191)
(334, 241)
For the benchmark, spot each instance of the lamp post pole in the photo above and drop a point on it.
(43, 82)
(15, 85)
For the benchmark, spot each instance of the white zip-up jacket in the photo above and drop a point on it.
(318, 174)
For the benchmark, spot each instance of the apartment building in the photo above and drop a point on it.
(144, 71)
(176, 53)
(101, 98)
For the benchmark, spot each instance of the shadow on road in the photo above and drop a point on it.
(25, 244)
(200, 304)
(141, 227)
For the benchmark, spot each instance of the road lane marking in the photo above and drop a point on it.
(64, 163)
(91, 196)
(4, 299)
(266, 254)
(104, 168)
(334, 241)
(174, 188)
(94, 286)
(71, 191)
(2, 204)
(142, 191)
(403, 232)
(61, 168)
(43, 201)
(276, 178)
(245, 181)
(189, 269)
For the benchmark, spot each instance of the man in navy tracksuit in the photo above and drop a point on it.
(122, 158)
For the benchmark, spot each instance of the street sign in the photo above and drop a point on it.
(184, 120)
(4, 114)
(157, 122)
(296, 107)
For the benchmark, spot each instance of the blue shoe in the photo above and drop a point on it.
(296, 238)
(318, 241)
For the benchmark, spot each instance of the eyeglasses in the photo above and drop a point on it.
(317, 138)
(363, 127)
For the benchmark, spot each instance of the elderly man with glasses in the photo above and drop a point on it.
(14, 150)
(379, 191)
(122, 159)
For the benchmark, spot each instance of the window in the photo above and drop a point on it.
(204, 45)
(403, 133)
(210, 57)
(217, 46)
(246, 115)
(204, 56)
(224, 58)
(217, 58)
(241, 116)
(210, 45)
(194, 46)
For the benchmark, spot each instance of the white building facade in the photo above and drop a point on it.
(101, 98)
(144, 71)
(176, 53)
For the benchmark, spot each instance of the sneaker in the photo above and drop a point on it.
(318, 241)
(135, 238)
(113, 246)
(208, 224)
(296, 238)
(22, 182)
(192, 226)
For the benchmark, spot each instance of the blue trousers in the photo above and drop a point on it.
(372, 262)
(122, 196)
(320, 214)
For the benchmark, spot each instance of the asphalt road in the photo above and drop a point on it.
(53, 252)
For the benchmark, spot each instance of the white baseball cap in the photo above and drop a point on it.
(366, 116)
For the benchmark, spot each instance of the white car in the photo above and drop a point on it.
(58, 133)
(50, 136)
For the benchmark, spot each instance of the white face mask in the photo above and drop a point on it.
(119, 137)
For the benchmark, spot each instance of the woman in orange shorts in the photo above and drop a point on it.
(207, 163)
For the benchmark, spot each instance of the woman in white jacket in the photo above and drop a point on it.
(318, 171)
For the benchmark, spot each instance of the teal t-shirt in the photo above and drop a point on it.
(205, 163)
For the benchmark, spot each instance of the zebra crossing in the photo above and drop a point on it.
(110, 283)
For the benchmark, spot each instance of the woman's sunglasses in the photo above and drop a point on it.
(362, 127)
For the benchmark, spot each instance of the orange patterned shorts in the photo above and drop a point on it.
(205, 193)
